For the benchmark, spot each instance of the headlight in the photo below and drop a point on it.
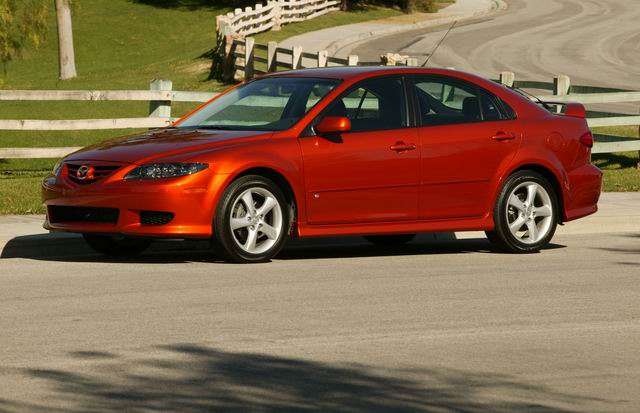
(57, 167)
(165, 170)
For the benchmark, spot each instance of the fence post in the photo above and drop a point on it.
(352, 60)
(412, 61)
(160, 108)
(296, 56)
(248, 57)
(272, 56)
(507, 78)
(561, 86)
(277, 24)
(322, 58)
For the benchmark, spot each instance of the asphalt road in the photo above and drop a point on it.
(331, 326)
(595, 42)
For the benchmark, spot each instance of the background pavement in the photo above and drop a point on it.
(332, 325)
(341, 39)
(594, 42)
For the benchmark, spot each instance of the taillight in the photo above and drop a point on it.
(587, 140)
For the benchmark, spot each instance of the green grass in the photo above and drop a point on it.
(358, 15)
(620, 169)
(120, 44)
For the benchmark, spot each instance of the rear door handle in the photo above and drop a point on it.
(502, 136)
(402, 147)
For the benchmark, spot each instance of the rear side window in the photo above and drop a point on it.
(375, 104)
(443, 101)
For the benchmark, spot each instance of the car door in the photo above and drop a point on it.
(371, 173)
(466, 134)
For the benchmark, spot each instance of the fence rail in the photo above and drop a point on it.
(271, 16)
(160, 96)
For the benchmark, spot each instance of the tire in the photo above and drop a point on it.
(398, 239)
(519, 226)
(114, 247)
(247, 239)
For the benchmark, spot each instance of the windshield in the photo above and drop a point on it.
(269, 104)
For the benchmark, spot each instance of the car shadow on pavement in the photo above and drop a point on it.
(189, 378)
(72, 248)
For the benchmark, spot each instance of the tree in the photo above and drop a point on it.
(66, 53)
(20, 26)
(24, 22)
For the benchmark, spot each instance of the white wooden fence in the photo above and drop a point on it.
(271, 16)
(246, 58)
(563, 91)
(160, 96)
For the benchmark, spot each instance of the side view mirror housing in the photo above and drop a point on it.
(333, 125)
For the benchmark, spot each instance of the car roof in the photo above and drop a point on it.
(350, 72)
(357, 73)
(363, 72)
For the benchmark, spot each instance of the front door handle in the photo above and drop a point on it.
(502, 136)
(402, 146)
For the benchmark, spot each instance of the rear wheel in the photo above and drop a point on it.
(116, 247)
(526, 214)
(252, 221)
(398, 239)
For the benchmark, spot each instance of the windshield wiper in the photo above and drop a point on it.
(213, 127)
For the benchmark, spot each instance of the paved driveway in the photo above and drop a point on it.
(331, 326)
(595, 42)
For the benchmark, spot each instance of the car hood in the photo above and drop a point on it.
(145, 147)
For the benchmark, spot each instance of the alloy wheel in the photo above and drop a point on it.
(529, 212)
(256, 220)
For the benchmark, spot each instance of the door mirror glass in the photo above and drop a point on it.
(333, 125)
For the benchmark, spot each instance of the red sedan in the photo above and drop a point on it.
(382, 152)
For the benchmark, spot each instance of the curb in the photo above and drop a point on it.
(497, 6)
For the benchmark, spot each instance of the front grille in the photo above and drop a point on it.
(155, 217)
(99, 172)
(61, 214)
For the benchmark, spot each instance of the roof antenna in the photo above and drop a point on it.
(439, 43)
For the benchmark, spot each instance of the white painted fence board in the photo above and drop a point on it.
(25, 153)
(587, 98)
(83, 124)
(28, 95)
(620, 146)
(614, 121)
(193, 96)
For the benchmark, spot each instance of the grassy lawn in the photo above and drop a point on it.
(620, 172)
(120, 44)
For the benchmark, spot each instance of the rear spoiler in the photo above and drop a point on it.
(573, 109)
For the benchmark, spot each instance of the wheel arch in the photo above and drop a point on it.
(551, 177)
(279, 179)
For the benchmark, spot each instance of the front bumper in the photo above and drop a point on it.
(190, 199)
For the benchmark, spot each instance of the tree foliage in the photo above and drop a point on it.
(22, 23)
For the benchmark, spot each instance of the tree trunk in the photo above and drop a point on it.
(408, 6)
(343, 5)
(66, 54)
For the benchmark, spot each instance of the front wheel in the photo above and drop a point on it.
(116, 247)
(525, 215)
(252, 220)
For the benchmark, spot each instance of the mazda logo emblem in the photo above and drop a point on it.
(85, 172)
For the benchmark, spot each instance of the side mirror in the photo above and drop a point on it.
(333, 125)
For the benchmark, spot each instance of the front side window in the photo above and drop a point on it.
(443, 101)
(376, 104)
(269, 104)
